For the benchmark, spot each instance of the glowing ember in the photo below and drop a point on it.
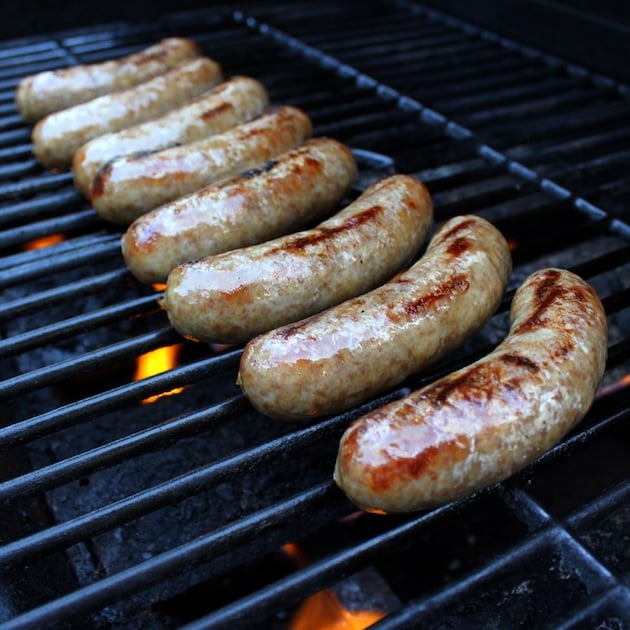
(323, 611)
(44, 241)
(156, 362)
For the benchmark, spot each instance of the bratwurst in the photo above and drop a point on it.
(483, 423)
(351, 352)
(46, 92)
(299, 186)
(234, 296)
(228, 104)
(129, 186)
(58, 136)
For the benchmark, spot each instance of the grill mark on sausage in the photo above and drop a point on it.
(546, 295)
(456, 284)
(216, 111)
(100, 180)
(458, 228)
(158, 55)
(459, 246)
(254, 172)
(104, 173)
(476, 378)
(520, 361)
(310, 165)
(288, 331)
(299, 244)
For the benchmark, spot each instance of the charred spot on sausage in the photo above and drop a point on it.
(520, 361)
(215, 111)
(457, 284)
(459, 246)
(255, 172)
(298, 244)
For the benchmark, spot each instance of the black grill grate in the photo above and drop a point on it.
(147, 505)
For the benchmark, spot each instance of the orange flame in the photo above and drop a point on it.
(156, 362)
(43, 241)
(323, 611)
(624, 381)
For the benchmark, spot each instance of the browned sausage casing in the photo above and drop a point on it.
(485, 422)
(228, 104)
(234, 296)
(371, 343)
(57, 137)
(299, 186)
(46, 92)
(129, 186)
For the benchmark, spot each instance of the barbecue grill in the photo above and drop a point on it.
(186, 511)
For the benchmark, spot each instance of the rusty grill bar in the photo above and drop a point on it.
(142, 511)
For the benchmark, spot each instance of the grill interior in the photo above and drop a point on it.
(175, 513)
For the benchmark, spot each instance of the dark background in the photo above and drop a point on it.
(592, 34)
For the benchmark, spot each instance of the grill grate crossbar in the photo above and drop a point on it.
(320, 500)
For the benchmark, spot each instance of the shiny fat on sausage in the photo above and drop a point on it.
(128, 187)
(46, 92)
(234, 296)
(347, 354)
(483, 423)
(228, 104)
(284, 194)
(58, 136)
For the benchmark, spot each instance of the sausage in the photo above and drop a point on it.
(276, 198)
(46, 92)
(129, 186)
(366, 345)
(234, 296)
(228, 104)
(483, 423)
(58, 136)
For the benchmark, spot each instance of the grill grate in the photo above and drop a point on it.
(146, 502)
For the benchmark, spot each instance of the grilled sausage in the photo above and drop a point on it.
(234, 296)
(46, 92)
(228, 104)
(57, 137)
(485, 422)
(279, 197)
(129, 186)
(351, 352)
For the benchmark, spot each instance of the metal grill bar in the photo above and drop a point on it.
(73, 290)
(79, 253)
(312, 578)
(77, 365)
(73, 325)
(43, 182)
(168, 493)
(68, 415)
(119, 450)
(321, 501)
(465, 589)
(71, 222)
(36, 208)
